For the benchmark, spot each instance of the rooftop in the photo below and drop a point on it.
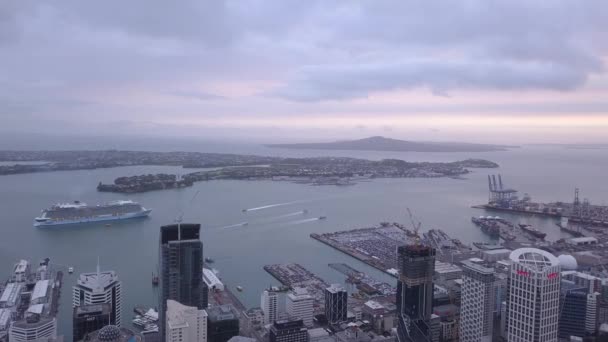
(479, 267)
(583, 239)
(335, 288)
(97, 280)
(21, 266)
(40, 290)
(497, 251)
(5, 315)
(372, 304)
(222, 313)
(36, 309)
(534, 258)
(177, 312)
(10, 294)
(444, 267)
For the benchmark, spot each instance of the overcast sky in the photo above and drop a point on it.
(477, 70)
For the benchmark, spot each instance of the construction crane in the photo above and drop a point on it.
(415, 227)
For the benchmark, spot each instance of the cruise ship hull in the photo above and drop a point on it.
(102, 218)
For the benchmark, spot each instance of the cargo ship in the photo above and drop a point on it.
(531, 230)
(78, 212)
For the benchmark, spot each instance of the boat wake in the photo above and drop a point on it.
(271, 206)
(242, 224)
(304, 221)
(296, 213)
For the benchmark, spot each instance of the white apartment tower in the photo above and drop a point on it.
(185, 323)
(477, 302)
(98, 288)
(533, 294)
(299, 304)
(272, 303)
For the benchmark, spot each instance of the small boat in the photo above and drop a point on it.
(244, 210)
(322, 217)
(245, 223)
(239, 288)
(209, 260)
(70, 270)
(155, 280)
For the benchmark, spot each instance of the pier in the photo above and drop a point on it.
(295, 275)
(377, 246)
(578, 211)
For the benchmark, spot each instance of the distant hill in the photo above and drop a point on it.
(387, 144)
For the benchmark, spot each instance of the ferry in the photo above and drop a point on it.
(78, 212)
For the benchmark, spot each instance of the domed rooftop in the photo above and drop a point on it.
(109, 333)
(533, 258)
(568, 262)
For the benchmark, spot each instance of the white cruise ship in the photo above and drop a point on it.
(78, 212)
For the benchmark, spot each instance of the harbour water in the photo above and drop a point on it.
(272, 235)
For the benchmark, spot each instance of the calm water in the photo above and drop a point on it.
(130, 248)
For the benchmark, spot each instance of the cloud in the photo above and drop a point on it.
(196, 95)
(342, 82)
(314, 57)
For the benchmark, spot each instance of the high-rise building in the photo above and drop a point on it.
(272, 302)
(477, 302)
(181, 268)
(98, 288)
(185, 323)
(336, 308)
(533, 293)
(578, 310)
(415, 292)
(288, 331)
(222, 323)
(300, 304)
(89, 318)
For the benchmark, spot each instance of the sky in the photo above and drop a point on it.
(503, 71)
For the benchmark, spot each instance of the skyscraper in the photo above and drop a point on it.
(89, 318)
(185, 323)
(415, 292)
(477, 303)
(336, 299)
(533, 294)
(181, 268)
(300, 304)
(578, 310)
(98, 288)
(288, 331)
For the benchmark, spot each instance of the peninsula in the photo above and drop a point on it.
(312, 171)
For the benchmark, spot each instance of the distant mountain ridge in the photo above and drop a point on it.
(379, 143)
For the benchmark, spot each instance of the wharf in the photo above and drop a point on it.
(364, 282)
(295, 275)
(377, 246)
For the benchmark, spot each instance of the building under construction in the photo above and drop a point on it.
(415, 292)
(499, 194)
